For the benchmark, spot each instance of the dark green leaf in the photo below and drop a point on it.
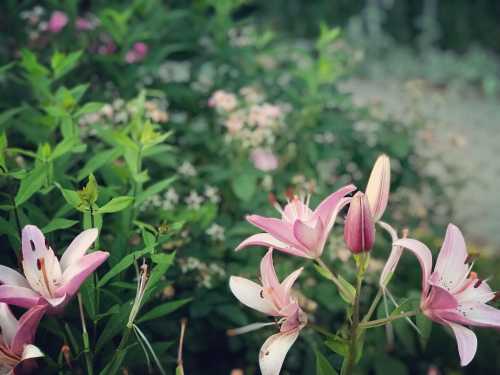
(163, 309)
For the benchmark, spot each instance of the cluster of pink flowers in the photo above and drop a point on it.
(252, 122)
(47, 286)
(452, 295)
(137, 53)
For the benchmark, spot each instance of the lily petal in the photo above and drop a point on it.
(359, 228)
(249, 293)
(393, 260)
(327, 210)
(290, 280)
(268, 273)
(18, 296)
(466, 342)
(8, 276)
(78, 272)
(440, 299)
(266, 240)
(8, 324)
(483, 315)
(31, 352)
(34, 247)
(309, 236)
(377, 189)
(424, 256)
(78, 247)
(277, 228)
(451, 267)
(273, 352)
(28, 325)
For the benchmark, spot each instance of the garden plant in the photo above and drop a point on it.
(137, 136)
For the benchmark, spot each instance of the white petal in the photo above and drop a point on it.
(8, 276)
(78, 247)
(8, 323)
(451, 269)
(273, 352)
(250, 294)
(466, 342)
(31, 351)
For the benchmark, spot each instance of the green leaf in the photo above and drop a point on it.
(323, 367)
(62, 64)
(89, 108)
(59, 223)
(65, 146)
(244, 186)
(116, 204)
(424, 325)
(30, 63)
(97, 161)
(90, 192)
(388, 365)
(154, 189)
(122, 265)
(163, 309)
(163, 263)
(338, 345)
(7, 115)
(72, 198)
(30, 184)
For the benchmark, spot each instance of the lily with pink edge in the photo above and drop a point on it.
(300, 231)
(48, 280)
(16, 339)
(274, 299)
(452, 295)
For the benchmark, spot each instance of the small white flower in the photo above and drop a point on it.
(216, 232)
(194, 200)
(212, 193)
(187, 169)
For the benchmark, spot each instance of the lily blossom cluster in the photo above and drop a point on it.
(273, 299)
(47, 286)
(453, 295)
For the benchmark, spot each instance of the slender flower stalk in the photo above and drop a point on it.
(48, 280)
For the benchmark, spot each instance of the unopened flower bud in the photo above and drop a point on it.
(359, 229)
(377, 189)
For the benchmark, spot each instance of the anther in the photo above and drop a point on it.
(32, 244)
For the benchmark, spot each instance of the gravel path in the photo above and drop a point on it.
(465, 131)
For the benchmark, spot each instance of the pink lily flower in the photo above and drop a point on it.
(16, 339)
(48, 280)
(275, 299)
(300, 231)
(452, 295)
(359, 228)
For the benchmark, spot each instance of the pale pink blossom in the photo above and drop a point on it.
(223, 101)
(264, 160)
(137, 53)
(300, 231)
(85, 24)
(48, 280)
(274, 299)
(57, 22)
(235, 122)
(16, 339)
(452, 295)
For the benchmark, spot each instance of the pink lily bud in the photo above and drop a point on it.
(377, 189)
(57, 21)
(359, 228)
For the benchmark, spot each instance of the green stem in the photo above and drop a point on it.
(380, 322)
(373, 306)
(116, 361)
(351, 357)
(85, 337)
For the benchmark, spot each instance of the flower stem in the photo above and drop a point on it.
(331, 276)
(373, 306)
(85, 337)
(380, 322)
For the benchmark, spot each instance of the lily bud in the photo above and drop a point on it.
(359, 228)
(377, 189)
